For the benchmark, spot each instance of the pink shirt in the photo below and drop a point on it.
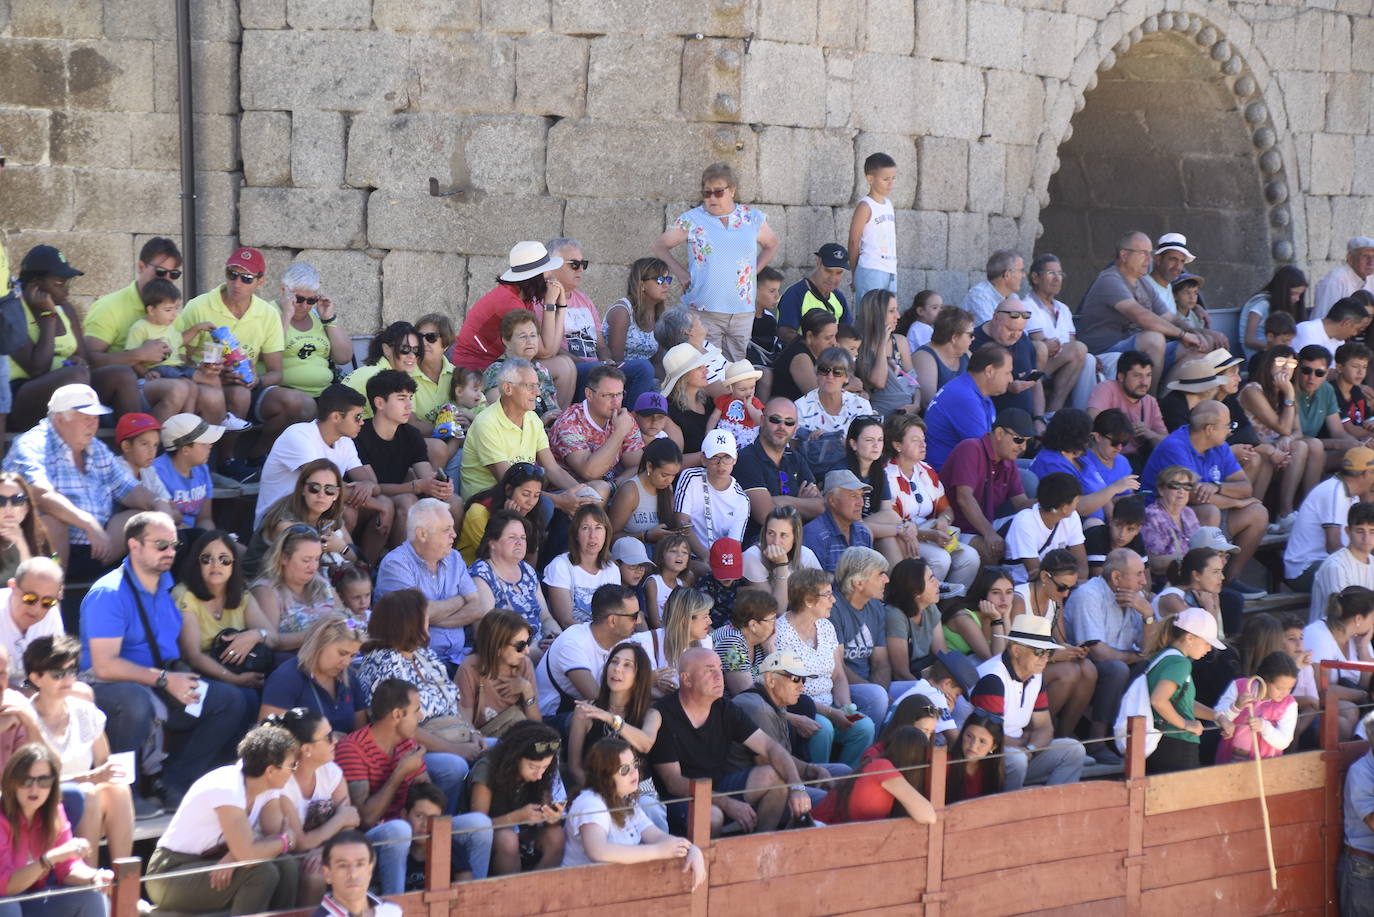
(1109, 394)
(31, 845)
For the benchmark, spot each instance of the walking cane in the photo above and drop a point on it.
(1259, 777)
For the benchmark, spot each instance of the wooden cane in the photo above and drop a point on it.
(1259, 777)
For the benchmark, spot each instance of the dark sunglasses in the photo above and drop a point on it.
(1176, 485)
(45, 781)
(162, 544)
(785, 421)
(404, 349)
(167, 273)
(1013, 313)
(795, 679)
(1020, 440)
(236, 277)
(1059, 586)
(784, 483)
(19, 499)
(528, 469)
(315, 487)
(665, 280)
(300, 528)
(543, 748)
(67, 672)
(618, 614)
(1309, 371)
(578, 264)
(831, 371)
(1040, 652)
(521, 645)
(1118, 443)
(307, 300)
(714, 192)
(430, 337)
(33, 598)
(225, 560)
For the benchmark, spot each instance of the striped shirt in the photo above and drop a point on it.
(46, 461)
(362, 759)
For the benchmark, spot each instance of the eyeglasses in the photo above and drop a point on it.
(1063, 590)
(1137, 251)
(665, 280)
(67, 672)
(1039, 651)
(307, 300)
(831, 371)
(626, 770)
(162, 544)
(405, 349)
(1310, 371)
(167, 273)
(1177, 485)
(236, 277)
(520, 645)
(225, 560)
(431, 337)
(1119, 443)
(528, 470)
(578, 264)
(33, 598)
(1059, 274)
(316, 487)
(714, 192)
(1013, 313)
(543, 748)
(1020, 440)
(45, 781)
(795, 679)
(300, 528)
(610, 395)
(19, 499)
(621, 614)
(785, 421)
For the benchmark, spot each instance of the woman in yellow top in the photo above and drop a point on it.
(55, 353)
(212, 596)
(519, 490)
(397, 346)
(314, 343)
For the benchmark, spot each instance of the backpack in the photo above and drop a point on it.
(14, 324)
(1136, 702)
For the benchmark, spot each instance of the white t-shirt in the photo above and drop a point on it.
(1313, 332)
(328, 776)
(1028, 536)
(1051, 609)
(1058, 326)
(590, 809)
(1326, 504)
(573, 649)
(656, 649)
(919, 335)
(1336, 572)
(936, 697)
(564, 574)
(148, 477)
(878, 244)
(755, 571)
(812, 415)
(50, 625)
(724, 516)
(76, 747)
(299, 443)
(195, 827)
(1317, 638)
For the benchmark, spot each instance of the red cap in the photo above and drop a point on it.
(250, 259)
(727, 561)
(134, 424)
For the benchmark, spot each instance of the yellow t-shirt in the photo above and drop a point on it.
(4, 267)
(475, 521)
(493, 438)
(111, 316)
(258, 332)
(143, 330)
(63, 346)
(358, 379)
(305, 362)
(188, 604)
(431, 396)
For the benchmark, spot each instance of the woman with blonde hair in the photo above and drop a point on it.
(317, 500)
(291, 591)
(319, 677)
(496, 685)
(686, 623)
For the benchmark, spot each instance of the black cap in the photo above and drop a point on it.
(45, 259)
(1015, 420)
(833, 254)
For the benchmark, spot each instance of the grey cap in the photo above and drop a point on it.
(843, 479)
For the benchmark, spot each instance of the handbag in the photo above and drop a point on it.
(317, 812)
(453, 729)
(496, 727)
(259, 658)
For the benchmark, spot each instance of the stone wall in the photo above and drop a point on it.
(593, 119)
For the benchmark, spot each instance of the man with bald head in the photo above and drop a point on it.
(1117, 313)
(33, 609)
(1223, 495)
(704, 735)
(1007, 328)
(772, 473)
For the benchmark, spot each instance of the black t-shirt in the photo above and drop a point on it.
(1022, 362)
(691, 423)
(1173, 407)
(784, 386)
(1097, 542)
(1244, 434)
(391, 459)
(703, 752)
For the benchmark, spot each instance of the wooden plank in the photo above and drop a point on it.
(1049, 886)
(1003, 809)
(1287, 809)
(1241, 895)
(1230, 853)
(1210, 786)
(641, 888)
(1113, 907)
(787, 853)
(993, 849)
(835, 891)
(900, 910)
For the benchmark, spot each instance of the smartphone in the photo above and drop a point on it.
(685, 526)
(440, 476)
(1034, 375)
(1088, 644)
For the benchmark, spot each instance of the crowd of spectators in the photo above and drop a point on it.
(538, 569)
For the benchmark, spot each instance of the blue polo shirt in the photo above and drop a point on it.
(1212, 467)
(289, 687)
(959, 411)
(1089, 474)
(822, 535)
(402, 568)
(110, 611)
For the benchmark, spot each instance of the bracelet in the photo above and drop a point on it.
(529, 702)
(44, 861)
(617, 723)
(327, 321)
(796, 788)
(997, 622)
(285, 843)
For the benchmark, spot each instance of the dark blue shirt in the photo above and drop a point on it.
(756, 470)
(110, 611)
(822, 536)
(960, 411)
(289, 687)
(1022, 362)
(1211, 467)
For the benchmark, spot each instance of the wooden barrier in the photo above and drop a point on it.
(1169, 844)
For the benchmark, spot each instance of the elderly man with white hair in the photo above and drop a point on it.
(76, 481)
(1355, 273)
(314, 343)
(428, 562)
(860, 621)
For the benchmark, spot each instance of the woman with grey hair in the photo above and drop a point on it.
(860, 621)
(680, 325)
(314, 343)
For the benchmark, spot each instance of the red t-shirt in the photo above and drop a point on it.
(479, 341)
(360, 758)
(868, 802)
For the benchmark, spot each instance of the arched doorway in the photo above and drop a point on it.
(1162, 144)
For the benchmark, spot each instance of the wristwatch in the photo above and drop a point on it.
(161, 680)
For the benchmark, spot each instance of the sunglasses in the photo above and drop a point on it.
(528, 470)
(1013, 314)
(578, 264)
(831, 371)
(300, 528)
(784, 483)
(33, 598)
(714, 192)
(626, 770)
(795, 679)
(664, 281)
(1177, 485)
(405, 349)
(1020, 440)
(1309, 371)
(521, 645)
(162, 544)
(430, 337)
(236, 277)
(45, 781)
(307, 300)
(543, 748)
(68, 672)
(785, 421)
(1119, 443)
(316, 487)
(618, 614)
(225, 560)
(167, 273)
(14, 500)
(1059, 586)
(1039, 651)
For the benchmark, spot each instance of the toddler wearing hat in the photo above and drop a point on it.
(739, 410)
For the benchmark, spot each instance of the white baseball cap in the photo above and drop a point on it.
(719, 442)
(77, 397)
(1200, 623)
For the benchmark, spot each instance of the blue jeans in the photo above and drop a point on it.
(852, 741)
(872, 701)
(196, 744)
(639, 378)
(472, 836)
(84, 904)
(1170, 349)
(447, 772)
(867, 278)
(391, 839)
(1355, 876)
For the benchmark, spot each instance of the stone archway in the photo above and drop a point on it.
(1167, 138)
